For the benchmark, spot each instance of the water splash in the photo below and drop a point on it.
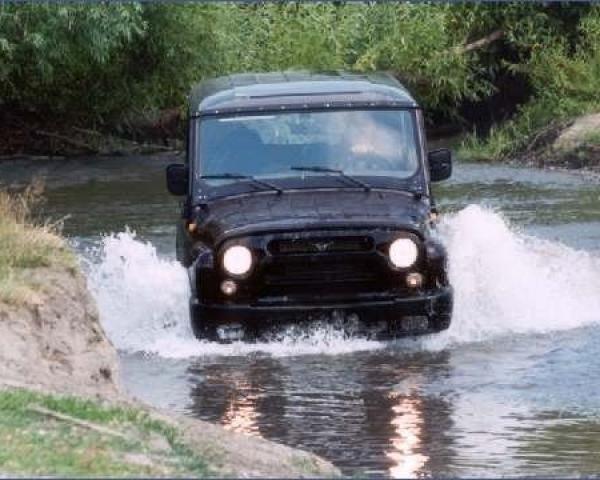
(142, 298)
(505, 283)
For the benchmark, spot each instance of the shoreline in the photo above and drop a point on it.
(570, 146)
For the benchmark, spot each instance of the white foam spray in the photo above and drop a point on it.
(505, 283)
(142, 298)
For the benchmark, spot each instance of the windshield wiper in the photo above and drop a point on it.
(239, 176)
(341, 173)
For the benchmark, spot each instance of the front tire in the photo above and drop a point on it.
(200, 328)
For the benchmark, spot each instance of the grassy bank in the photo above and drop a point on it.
(531, 134)
(567, 141)
(65, 436)
(26, 244)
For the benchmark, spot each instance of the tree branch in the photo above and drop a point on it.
(76, 421)
(70, 141)
(482, 42)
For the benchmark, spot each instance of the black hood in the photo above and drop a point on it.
(303, 210)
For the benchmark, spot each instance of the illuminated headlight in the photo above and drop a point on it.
(403, 253)
(237, 260)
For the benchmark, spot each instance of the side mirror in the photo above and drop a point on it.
(440, 164)
(177, 179)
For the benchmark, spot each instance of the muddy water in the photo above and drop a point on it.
(512, 387)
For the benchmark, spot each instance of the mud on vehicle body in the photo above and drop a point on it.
(305, 195)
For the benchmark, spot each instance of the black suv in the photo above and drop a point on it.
(308, 195)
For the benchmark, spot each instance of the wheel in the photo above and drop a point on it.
(201, 330)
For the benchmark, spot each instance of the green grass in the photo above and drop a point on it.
(26, 244)
(592, 138)
(500, 143)
(512, 138)
(36, 444)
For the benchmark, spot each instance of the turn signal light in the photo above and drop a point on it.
(228, 287)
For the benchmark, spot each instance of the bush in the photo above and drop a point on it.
(415, 42)
(95, 62)
(54, 58)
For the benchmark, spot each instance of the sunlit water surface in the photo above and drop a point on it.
(511, 388)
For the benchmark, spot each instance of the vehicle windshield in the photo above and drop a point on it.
(356, 142)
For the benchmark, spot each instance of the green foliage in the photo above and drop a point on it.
(97, 61)
(100, 63)
(415, 42)
(278, 36)
(178, 49)
(55, 56)
(565, 79)
(592, 138)
(421, 45)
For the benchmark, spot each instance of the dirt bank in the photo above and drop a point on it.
(578, 145)
(570, 145)
(53, 342)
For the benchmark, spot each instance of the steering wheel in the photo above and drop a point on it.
(367, 162)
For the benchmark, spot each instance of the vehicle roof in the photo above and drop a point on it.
(297, 90)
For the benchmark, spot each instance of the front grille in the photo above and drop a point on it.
(317, 245)
(321, 273)
(324, 268)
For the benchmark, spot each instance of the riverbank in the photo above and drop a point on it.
(27, 135)
(569, 144)
(62, 408)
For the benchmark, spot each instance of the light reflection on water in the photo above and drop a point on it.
(241, 415)
(408, 422)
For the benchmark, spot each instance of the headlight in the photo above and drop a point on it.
(237, 260)
(403, 253)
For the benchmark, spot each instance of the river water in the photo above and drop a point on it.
(512, 388)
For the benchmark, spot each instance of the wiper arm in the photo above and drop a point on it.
(341, 173)
(239, 176)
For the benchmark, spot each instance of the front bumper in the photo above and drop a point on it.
(427, 312)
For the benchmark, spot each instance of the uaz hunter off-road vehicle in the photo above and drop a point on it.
(309, 194)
